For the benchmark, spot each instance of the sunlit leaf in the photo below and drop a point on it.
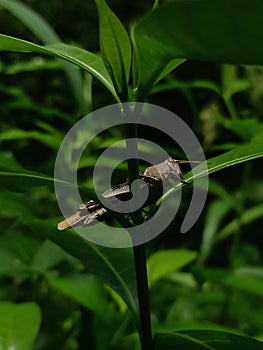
(161, 263)
(19, 325)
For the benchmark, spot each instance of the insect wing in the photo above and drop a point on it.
(73, 221)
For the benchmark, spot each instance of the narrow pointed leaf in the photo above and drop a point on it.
(81, 58)
(237, 155)
(205, 340)
(115, 46)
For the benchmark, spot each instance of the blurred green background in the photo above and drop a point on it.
(219, 282)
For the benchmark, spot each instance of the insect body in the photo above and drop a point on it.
(153, 176)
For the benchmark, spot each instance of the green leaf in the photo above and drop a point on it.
(237, 155)
(47, 256)
(52, 141)
(34, 64)
(39, 26)
(85, 290)
(245, 281)
(215, 214)
(20, 180)
(81, 58)
(207, 340)
(231, 83)
(14, 206)
(163, 262)
(19, 325)
(248, 279)
(31, 19)
(173, 64)
(115, 46)
(7, 160)
(114, 266)
(245, 128)
(197, 30)
(250, 215)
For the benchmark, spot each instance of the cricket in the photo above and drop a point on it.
(153, 177)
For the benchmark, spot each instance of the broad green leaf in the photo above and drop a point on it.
(19, 325)
(205, 340)
(163, 262)
(81, 58)
(39, 26)
(85, 290)
(115, 46)
(197, 30)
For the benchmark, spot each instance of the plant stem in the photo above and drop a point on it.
(143, 297)
(145, 331)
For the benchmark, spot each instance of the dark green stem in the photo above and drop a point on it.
(139, 251)
(143, 297)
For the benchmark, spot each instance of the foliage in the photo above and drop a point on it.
(200, 298)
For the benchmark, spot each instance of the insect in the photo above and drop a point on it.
(153, 177)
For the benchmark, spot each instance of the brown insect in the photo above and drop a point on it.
(153, 177)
